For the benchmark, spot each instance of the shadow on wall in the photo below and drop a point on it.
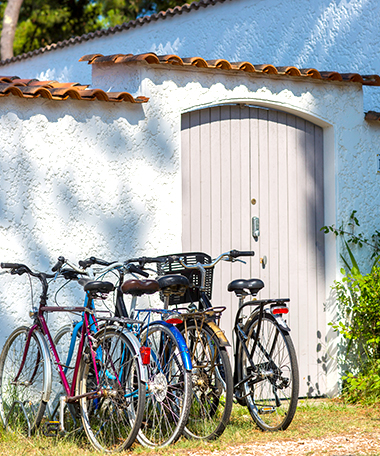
(78, 180)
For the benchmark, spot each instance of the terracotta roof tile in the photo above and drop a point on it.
(7, 78)
(195, 61)
(291, 71)
(312, 72)
(219, 63)
(331, 75)
(53, 90)
(199, 62)
(178, 10)
(372, 115)
(243, 66)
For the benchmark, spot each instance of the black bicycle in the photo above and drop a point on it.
(265, 377)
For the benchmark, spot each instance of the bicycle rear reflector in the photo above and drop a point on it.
(174, 321)
(279, 310)
(145, 355)
(174, 318)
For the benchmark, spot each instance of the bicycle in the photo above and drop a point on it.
(109, 376)
(168, 393)
(212, 373)
(265, 377)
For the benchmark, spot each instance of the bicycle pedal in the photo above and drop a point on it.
(51, 428)
(266, 410)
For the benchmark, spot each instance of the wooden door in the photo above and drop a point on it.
(241, 162)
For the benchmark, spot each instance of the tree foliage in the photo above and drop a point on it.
(43, 22)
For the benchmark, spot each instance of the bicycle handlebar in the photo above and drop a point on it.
(19, 268)
(228, 256)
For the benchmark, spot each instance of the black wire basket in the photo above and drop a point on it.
(173, 266)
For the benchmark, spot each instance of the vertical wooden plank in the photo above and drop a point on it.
(273, 205)
(246, 240)
(294, 313)
(226, 203)
(283, 198)
(311, 257)
(235, 160)
(255, 186)
(320, 260)
(186, 181)
(264, 198)
(205, 181)
(195, 165)
(302, 295)
(216, 182)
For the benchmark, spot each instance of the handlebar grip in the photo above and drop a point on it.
(137, 270)
(238, 253)
(58, 264)
(11, 265)
(92, 260)
(86, 263)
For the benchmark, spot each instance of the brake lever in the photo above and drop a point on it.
(233, 260)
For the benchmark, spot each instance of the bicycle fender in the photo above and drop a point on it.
(282, 323)
(219, 333)
(47, 366)
(136, 345)
(185, 354)
(277, 318)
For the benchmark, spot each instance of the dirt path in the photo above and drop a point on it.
(351, 445)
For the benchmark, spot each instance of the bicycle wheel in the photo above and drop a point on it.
(169, 389)
(211, 381)
(64, 343)
(23, 392)
(112, 415)
(271, 390)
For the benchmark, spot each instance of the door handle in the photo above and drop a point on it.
(255, 228)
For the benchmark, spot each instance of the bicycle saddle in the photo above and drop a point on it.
(137, 287)
(239, 285)
(173, 284)
(97, 286)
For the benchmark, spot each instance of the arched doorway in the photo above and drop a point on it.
(240, 162)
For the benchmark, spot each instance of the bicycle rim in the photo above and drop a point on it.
(272, 392)
(21, 399)
(212, 383)
(112, 417)
(168, 390)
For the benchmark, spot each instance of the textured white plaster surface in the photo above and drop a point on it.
(83, 178)
(340, 35)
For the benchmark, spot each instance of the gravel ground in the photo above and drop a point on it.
(351, 445)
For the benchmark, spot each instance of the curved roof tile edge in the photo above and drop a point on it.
(117, 28)
(198, 62)
(32, 88)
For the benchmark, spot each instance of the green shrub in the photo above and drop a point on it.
(358, 299)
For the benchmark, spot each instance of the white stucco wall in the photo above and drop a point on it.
(340, 35)
(83, 178)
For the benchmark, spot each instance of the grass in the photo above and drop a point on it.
(314, 419)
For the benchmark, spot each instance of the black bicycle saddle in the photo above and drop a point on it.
(239, 285)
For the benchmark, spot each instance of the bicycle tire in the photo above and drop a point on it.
(272, 393)
(212, 383)
(62, 341)
(169, 389)
(22, 403)
(111, 420)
